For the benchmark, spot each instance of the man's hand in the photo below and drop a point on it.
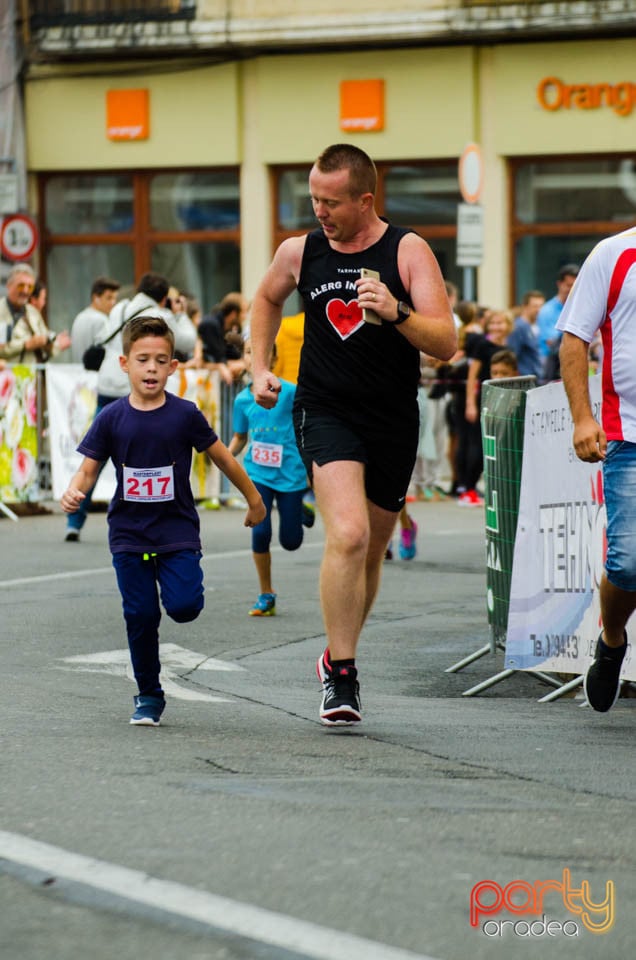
(590, 440)
(266, 388)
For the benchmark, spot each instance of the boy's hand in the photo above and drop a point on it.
(256, 513)
(71, 500)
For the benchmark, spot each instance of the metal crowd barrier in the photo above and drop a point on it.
(16, 399)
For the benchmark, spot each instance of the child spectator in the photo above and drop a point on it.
(503, 364)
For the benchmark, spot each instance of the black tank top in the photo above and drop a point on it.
(348, 366)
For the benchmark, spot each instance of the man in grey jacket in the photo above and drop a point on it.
(112, 383)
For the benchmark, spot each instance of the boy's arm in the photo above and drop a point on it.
(237, 443)
(223, 459)
(80, 484)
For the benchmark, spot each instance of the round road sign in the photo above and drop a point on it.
(18, 237)
(471, 173)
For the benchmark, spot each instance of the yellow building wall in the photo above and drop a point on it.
(524, 127)
(428, 103)
(285, 109)
(194, 120)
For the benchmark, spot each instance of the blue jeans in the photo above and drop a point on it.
(75, 521)
(290, 515)
(619, 486)
(180, 582)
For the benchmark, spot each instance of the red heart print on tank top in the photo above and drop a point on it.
(345, 318)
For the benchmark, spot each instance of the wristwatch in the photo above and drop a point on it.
(403, 313)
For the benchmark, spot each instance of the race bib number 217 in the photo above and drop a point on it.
(148, 485)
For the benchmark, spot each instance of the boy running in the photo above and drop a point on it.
(152, 519)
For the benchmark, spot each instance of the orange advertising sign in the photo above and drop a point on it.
(362, 105)
(127, 115)
(553, 94)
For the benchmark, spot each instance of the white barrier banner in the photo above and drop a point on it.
(554, 615)
(72, 395)
(18, 435)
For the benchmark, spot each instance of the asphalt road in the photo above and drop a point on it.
(241, 828)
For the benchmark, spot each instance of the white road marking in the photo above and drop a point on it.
(100, 571)
(175, 660)
(242, 919)
(206, 558)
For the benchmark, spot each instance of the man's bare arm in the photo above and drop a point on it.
(267, 310)
(431, 326)
(589, 439)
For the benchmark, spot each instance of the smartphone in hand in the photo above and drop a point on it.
(370, 316)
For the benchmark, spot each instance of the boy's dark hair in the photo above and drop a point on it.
(140, 327)
(102, 284)
(509, 357)
(153, 285)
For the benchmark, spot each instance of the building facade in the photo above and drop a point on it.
(177, 136)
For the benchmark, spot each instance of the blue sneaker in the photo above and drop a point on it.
(265, 606)
(408, 545)
(148, 711)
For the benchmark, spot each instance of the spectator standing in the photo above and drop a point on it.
(39, 297)
(226, 318)
(479, 351)
(355, 412)
(90, 323)
(523, 340)
(464, 447)
(27, 337)
(548, 318)
(503, 365)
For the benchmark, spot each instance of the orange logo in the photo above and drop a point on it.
(488, 898)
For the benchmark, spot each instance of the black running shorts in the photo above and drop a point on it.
(388, 454)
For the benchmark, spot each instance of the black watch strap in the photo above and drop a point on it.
(403, 313)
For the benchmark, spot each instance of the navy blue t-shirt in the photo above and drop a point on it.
(153, 508)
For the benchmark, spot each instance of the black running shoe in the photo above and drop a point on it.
(602, 683)
(341, 698)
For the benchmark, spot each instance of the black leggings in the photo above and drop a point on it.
(469, 460)
(290, 515)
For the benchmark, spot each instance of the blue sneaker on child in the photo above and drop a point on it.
(148, 711)
(265, 606)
